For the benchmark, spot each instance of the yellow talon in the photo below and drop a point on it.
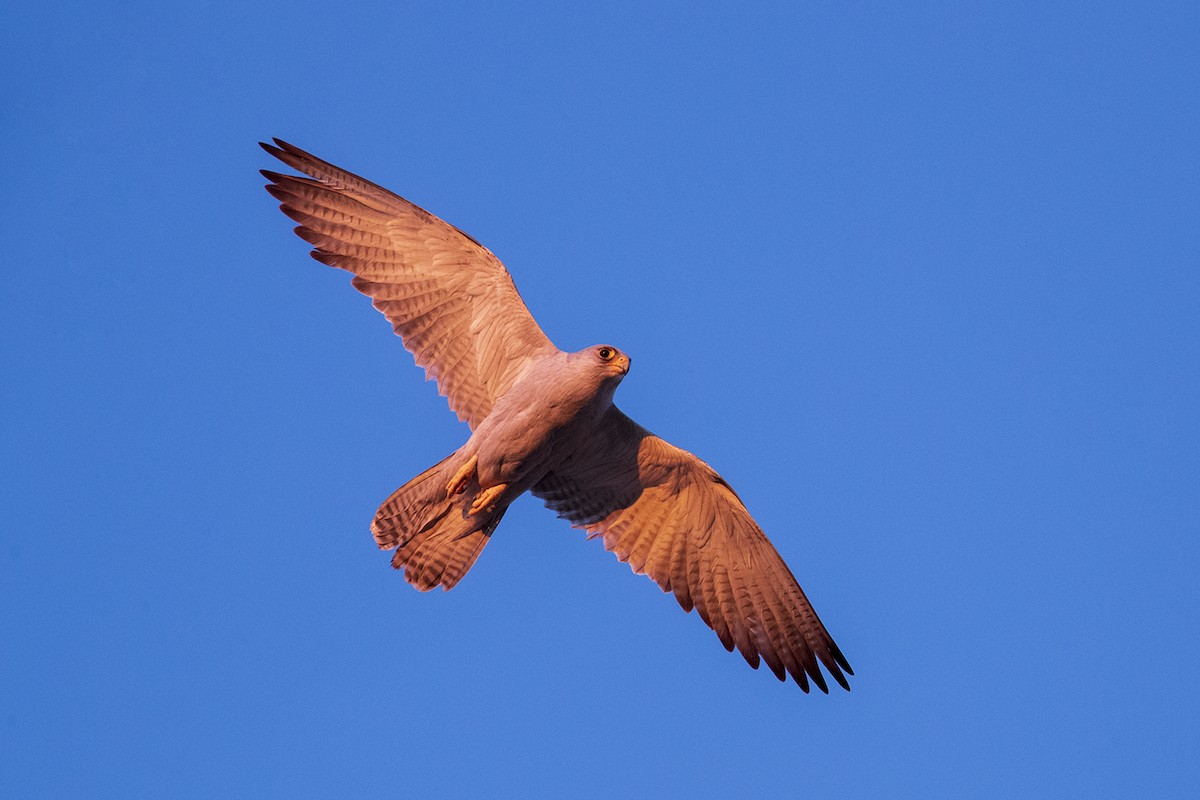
(461, 478)
(486, 499)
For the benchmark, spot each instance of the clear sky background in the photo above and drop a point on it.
(921, 280)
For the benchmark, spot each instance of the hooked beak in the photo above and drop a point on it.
(622, 364)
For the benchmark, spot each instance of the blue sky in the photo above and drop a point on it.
(920, 280)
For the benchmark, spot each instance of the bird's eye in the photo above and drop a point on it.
(606, 353)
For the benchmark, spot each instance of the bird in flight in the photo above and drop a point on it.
(542, 421)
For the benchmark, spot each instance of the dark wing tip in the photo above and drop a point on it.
(293, 156)
(835, 663)
(309, 235)
(327, 258)
(281, 147)
(839, 658)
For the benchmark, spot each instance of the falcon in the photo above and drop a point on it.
(542, 421)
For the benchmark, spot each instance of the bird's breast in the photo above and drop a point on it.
(521, 441)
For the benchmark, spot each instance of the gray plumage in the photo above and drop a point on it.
(543, 421)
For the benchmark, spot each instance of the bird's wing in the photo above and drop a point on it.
(672, 517)
(448, 298)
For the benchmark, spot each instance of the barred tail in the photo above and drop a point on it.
(436, 540)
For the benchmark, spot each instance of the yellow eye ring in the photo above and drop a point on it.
(606, 353)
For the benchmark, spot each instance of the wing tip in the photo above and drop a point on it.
(281, 147)
(327, 258)
(293, 156)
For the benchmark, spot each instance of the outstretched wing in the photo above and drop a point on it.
(673, 518)
(448, 298)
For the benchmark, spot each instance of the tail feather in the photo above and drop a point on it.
(436, 540)
(441, 558)
(412, 508)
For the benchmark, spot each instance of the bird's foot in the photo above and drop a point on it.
(461, 478)
(486, 499)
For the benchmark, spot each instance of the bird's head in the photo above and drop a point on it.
(610, 361)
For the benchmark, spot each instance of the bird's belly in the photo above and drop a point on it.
(521, 452)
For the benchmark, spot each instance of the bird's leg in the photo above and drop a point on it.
(461, 478)
(486, 499)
